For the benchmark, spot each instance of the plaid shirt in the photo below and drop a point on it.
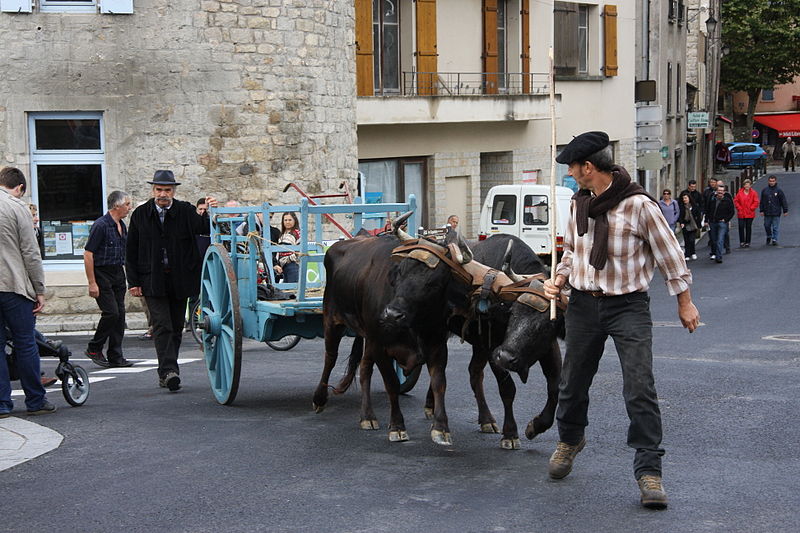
(638, 240)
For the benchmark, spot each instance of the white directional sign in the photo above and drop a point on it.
(697, 120)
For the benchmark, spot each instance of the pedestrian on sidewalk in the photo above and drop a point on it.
(21, 295)
(789, 153)
(773, 203)
(746, 203)
(615, 238)
(720, 211)
(163, 264)
(669, 208)
(104, 263)
(690, 219)
(694, 194)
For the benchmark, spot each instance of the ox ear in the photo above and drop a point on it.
(465, 250)
(398, 230)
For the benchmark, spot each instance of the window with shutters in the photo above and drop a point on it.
(583, 39)
(669, 90)
(75, 6)
(386, 42)
(502, 47)
(678, 83)
(572, 51)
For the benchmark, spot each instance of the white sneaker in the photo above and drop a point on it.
(694, 257)
(713, 257)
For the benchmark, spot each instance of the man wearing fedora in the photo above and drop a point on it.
(163, 264)
(615, 238)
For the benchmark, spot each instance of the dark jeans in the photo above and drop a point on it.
(772, 225)
(787, 161)
(688, 242)
(627, 320)
(291, 272)
(718, 231)
(16, 314)
(111, 327)
(168, 315)
(745, 230)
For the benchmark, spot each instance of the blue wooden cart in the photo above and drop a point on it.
(230, 307)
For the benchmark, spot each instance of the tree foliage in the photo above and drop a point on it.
(764, 41)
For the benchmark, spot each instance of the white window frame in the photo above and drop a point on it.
(583, 62)
(65, 157)
(60, 6)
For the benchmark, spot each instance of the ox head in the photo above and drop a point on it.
(420, 280)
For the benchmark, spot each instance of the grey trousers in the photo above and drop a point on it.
(589, 322)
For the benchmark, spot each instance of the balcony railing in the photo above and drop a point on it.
(473, 83)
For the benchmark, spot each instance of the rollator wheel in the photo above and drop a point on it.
(76, 394)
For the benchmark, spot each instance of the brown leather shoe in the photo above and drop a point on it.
(47, 382)
(561, 460)
(653, 495)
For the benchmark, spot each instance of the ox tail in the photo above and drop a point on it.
(356, 354)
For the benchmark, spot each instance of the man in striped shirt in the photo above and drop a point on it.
(615, 238)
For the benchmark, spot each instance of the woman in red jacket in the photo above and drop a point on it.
(746, 202)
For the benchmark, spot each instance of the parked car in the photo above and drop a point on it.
(747, 155)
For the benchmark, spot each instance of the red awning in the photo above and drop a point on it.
(787, 125)
(724, 119)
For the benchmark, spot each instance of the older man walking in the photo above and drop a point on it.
(615, 237)
(21, 295)
(163, 264)
(104, 260)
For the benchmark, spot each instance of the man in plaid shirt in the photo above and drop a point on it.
(615, 238)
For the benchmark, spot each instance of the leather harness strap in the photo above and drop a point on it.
(439, 252)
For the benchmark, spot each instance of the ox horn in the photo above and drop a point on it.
(507, 258)
(465, 250)
(398, 230)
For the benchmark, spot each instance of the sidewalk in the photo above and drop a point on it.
(53, 324)
(21, 441)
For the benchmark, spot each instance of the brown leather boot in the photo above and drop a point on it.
(561, 460)
(653, 495)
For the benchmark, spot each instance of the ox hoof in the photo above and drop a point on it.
(397, 435)
(490, 428)
(428, 413)
(369, 424)
(535, 427)
(441, 438)
(510, 444)
(318, 408)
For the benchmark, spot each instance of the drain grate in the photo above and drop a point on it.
(788, 337)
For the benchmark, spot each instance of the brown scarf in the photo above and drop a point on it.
(596, 207)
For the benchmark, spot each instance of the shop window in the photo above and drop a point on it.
(393, 180)
(67, 178)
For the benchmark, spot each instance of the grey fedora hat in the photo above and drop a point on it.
(163, 177)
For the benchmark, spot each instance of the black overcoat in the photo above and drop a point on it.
(146, 239)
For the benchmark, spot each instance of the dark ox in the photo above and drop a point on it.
(357, 294)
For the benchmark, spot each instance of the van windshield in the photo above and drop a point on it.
(504, 209)
(534, 212)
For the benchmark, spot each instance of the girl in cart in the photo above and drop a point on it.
(290, 236)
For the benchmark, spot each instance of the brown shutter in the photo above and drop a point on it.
(490, 47)
(365, 84)
(427, 54)
(610, 66)
(565, 28)
(525, 21)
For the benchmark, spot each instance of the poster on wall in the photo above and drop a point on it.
(80, 236)
(63, 243)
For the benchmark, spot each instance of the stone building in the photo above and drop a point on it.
(237, 97)
(453, 94)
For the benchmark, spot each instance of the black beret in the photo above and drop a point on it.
(583, 146)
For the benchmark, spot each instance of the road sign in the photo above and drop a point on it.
(697, 120)
(756, 134)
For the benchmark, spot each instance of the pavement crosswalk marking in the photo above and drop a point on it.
(57, 386)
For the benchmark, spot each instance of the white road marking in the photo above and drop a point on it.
(57, 385)
(126, 370)
(22, 440)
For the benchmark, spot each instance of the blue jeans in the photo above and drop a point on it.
(772, 225)
(16, 314)
(718, 230)
(291, 272)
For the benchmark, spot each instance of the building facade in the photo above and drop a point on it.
(777, 115)
(237, 97)
(453, 94)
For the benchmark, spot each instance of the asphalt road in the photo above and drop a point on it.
(136, 458)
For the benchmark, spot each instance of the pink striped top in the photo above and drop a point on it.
(638, 241)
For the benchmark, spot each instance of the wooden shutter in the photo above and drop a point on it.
(490, 67)
(565, 38)
(427, 53)
(610, 65)
(365, 82)
(525, 22)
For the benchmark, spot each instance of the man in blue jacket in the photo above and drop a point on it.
(719, 213)
(773, 203)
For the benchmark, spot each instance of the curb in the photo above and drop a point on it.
(21, 441)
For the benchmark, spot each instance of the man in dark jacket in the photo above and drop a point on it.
(695, 195)
(773, 203)
(719, 213)
(163, 264)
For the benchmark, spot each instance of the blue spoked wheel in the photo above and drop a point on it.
(221, 323)
(406, 382)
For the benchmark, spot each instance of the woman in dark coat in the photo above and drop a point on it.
(690, 220)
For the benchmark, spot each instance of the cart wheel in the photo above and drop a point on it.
(286, 343)
(195, 323)
(75, 393)
(221, 321)
(407, 382)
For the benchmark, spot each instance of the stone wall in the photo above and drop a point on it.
(496, 169)
(238, 97)
(449, 164)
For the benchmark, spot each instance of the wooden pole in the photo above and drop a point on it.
(553, 205)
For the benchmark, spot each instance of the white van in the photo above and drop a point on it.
(522, 210)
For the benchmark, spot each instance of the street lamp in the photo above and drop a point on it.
(711, 24)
